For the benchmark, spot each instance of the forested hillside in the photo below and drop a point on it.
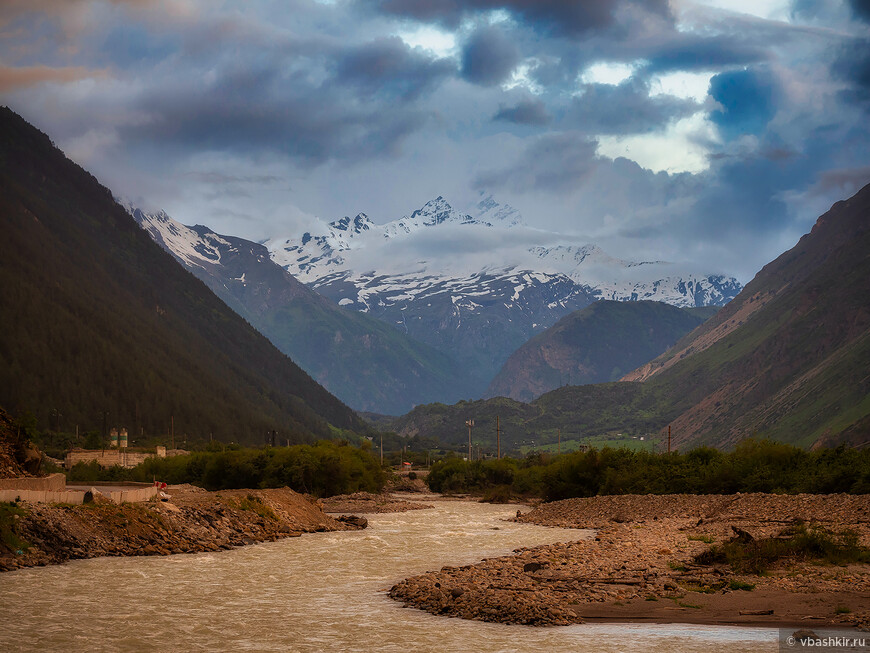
(97, 323)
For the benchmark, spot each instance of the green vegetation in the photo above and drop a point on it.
(711, 588)
(323, 469)
(10, 540)
(256, 505)
(739, 585)
(797, 542)
(753, 466)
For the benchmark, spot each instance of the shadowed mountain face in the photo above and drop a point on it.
(366, 363)
(594, 345)
(95, 318)
(786, 359)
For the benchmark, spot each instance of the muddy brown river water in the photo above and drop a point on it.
(320, 592)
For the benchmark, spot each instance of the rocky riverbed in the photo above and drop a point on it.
(640, 566)
(192, 521)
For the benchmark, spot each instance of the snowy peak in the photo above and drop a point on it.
(438, 211)
(195, 246)
(357, 225)
(490, 212)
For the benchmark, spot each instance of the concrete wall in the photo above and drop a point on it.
(36, 496)
(132, 496)
(50, 483)
(78, 496)
(52, 489)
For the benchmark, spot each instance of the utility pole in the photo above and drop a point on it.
(469, 423)
(669, 438)
(497, 439)
(382, 448)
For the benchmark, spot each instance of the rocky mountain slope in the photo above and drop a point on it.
(594, 345)
(789, 356)
(786, 359)
(97, 322)
(474, 284)
(366, 363)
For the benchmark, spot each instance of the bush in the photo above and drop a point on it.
(798, 542)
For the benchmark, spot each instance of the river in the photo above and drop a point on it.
(318, 592)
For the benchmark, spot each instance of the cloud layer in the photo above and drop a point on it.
(674, 130)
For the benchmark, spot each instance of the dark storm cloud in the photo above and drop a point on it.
(695, 52)
(389, 67)
(564, 17)
(852, 65)
(552, 162)
(624, 109)
(489, 57)
(747, 99)
(525, 112)
(248, 109)
(861, 9)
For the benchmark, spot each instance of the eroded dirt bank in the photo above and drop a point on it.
(193, 521)
(640, 566)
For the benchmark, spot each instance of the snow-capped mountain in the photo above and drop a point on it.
(474, 283)
(366, 363)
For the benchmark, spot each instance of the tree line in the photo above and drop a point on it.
(753, 466)
(323, 469)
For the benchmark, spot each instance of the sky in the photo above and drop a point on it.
(712, 132)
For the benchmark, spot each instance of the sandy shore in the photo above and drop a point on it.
(639, 567)
(193, 521)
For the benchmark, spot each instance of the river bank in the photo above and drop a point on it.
(193, 521)
(360, 503)
(641, 567)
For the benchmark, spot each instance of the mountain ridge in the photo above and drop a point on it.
(442, 276)
(98, 320)
(592, 345)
